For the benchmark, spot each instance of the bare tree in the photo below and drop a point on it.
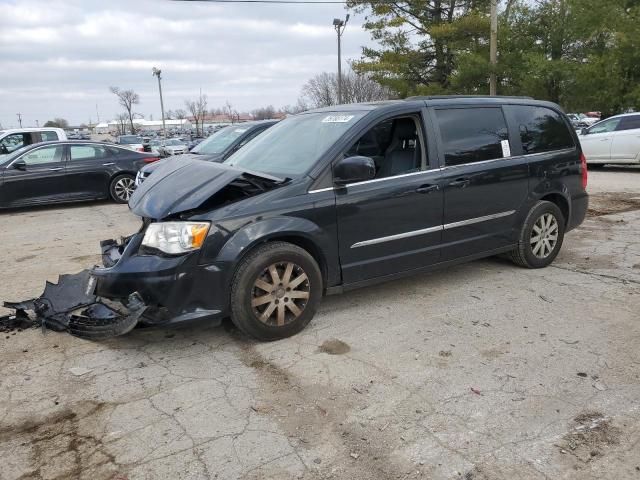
(322, 90)
(300, 106)
(127, 99)
(231, 113)
(264, 113)
(198, 109)
(122, 123)
(180, 114)
(169, 115)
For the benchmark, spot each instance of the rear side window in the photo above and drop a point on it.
(541, 129)
(629, 123)
(49, 136)
(472, 134)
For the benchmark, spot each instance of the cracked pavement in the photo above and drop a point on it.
(482, 371)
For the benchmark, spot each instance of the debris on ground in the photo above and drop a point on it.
(79, 371)
(590, 434)
(71, 305)
(476, 391)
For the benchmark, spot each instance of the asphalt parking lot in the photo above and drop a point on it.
(482, 371)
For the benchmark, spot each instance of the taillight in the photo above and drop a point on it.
(151, 159)
(583, 168)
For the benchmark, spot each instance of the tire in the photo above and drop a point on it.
(272, 315)
(530, 253)
(121, 188)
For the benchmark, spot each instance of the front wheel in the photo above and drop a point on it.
(122, 187)
(541, 236)
(276, 291)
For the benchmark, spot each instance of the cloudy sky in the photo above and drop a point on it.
(58, 58)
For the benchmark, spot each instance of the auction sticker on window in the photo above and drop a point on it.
(337, 118)
(506, 150)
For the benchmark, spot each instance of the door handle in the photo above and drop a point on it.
(108, 164)
(605, 139)
(54, 169)
(459, 182)
(427, 188)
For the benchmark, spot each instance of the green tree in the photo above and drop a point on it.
(421, 43)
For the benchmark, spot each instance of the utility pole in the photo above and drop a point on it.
(340, 25)
(19, 119)
(37, 124)
(157, 72)
(493, 48)
(97, 114)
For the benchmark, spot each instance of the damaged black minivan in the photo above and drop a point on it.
(343, 197)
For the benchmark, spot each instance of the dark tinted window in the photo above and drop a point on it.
(541, 129)
(472, 134)
(629, 123)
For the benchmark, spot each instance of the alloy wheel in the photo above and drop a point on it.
(280, 294)
(124, 188)
(544, 235)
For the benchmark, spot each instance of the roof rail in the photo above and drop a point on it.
(439, 97)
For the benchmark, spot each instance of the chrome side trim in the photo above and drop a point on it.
(399, 236)
(438, 228)
(471, 221)
(320, 190)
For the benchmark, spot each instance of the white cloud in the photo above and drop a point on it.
(60, 57)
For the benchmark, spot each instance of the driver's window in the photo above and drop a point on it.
(13, 142)
(43, 155)
(396, 146)
(605, 127)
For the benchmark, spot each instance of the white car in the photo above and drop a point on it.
(614, 140)
(173, 146)
(15, 138)
(132, 142)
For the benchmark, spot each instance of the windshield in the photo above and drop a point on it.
(219, 141)
(291, 147)
(173, 142)
(129, 139)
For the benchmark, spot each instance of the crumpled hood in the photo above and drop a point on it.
(152, 167)
(183, 185)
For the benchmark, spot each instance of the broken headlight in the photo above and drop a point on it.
(175, 237)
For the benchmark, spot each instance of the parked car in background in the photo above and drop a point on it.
(219, 146)
(348, 196)
(67, 171)
(132, 142)
(172, 146)
(614, 140)
(577, 121)
(15, 138)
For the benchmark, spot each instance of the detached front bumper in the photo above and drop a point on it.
(130, 289)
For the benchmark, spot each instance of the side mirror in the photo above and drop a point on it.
(354, 169)
(584, 131)
(20, 165)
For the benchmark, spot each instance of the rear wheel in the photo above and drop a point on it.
(276, 291)
(122, 188)
(541, 236)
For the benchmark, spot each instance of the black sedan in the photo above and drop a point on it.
(67, 171)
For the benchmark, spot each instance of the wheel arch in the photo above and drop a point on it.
(297, 231)
(561, 202)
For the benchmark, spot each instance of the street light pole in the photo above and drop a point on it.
(157, 72)
(340, 25)
(493, 48)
